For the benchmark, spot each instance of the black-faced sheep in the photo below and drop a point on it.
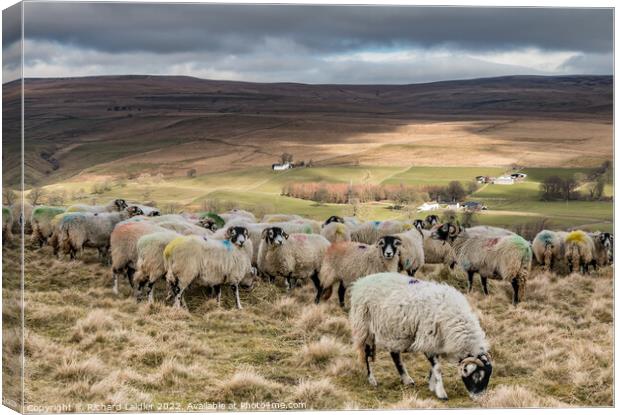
(411, 251)
(345, 262)
(401, 314)
(603, 248)
(116, 205)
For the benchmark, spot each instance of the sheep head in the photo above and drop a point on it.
(475, 373)
(120, 204)
(333, 218)
(274, 235)
(237, 235)
(389, 246)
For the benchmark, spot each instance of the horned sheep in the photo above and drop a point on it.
(603, 248)
(294, 257)
(345, 262)
(411, 252)
(401, 314)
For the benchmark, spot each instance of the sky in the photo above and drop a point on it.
(308, 44)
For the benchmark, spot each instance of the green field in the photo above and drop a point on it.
(259, 189)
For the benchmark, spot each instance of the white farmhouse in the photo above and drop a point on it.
(280, 167)
(428, 206)
(503, 180)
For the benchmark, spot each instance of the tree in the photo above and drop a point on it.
(455, 192)
(191, 173)
(472, 186)
(286, 158)
(568, 187)
(551, 187)
(35, 195)
(9, 196)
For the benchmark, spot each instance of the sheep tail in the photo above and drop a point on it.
(360, 322)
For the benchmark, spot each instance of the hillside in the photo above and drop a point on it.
(167, 124)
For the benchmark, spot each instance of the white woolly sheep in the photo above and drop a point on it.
(402, 314)
(42, 227)
(370, 232)
(578, 251)
(236, 213)
(505, 257)
(82, 229)
(209, 261)
(548, 248)
(437, 252)
(336, 232)
(117, 205)
(123, 248)
(279, 217)
(345, 262)
(150, 266)
(21, 213)
(295, 257)
(603, 248)
(411, 252)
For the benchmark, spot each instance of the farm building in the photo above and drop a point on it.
(503, 180)
(280, 167)
(474, 206)
(518, 176)
(427, 206)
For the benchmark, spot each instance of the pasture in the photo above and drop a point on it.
(84, 344)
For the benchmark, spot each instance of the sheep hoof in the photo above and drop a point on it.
(408, 381)
(372, 380)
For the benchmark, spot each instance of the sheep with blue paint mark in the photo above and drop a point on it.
(401, 314)
(495, 256)
(210, 262)
(548, 248)
(294, 257)
(42, 227)
(370, 232)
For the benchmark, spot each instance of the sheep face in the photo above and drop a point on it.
(120, 204)
(446, 232)
(418, 223)
(333, 218)
(274, 235)
(237, 235)
(432, 220)
(208, 223)
(389, 246)
(475, 373)
(134, 211)
(154, 213)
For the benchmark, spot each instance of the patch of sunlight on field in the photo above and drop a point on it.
(442, 175)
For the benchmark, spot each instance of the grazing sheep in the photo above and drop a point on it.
(411, 251)
(438, 252)
(295, 257)
(347, 261)
(116, 205)
(505, 257)
(21, 214)
(215, 221)
(7, 225)
(83, 229)
(123, 248)
(332, 219)
(419, 223)
(401, 314)
(41, 220)
(279, 217)
(548, 248)
(431, 221)
(603, 248)
(336, 232)
(150, 266)
(370, 232)
(578, 251)
(209, 261)
(148, 211)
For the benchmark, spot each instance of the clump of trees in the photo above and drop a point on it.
(578, 186)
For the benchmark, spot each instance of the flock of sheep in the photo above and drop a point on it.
(378, 260)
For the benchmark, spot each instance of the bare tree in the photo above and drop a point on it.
(35, 195)
(191, 173)
(9, 196)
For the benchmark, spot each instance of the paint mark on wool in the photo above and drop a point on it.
(362, 247)
(376, 223)
(576, 236)
(227, 244)
(308, 229)
(172, 246)
(491, 242)
(546, 237)
(413, 281)
(407, 263)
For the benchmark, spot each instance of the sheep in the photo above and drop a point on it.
(83, 229)
(370, 232)
(332, 219)
(438, 252)
(150, 266)
(148, 211)
(212, 262)
(215, 221)
(185, 228)
(603, 248)
(578, 251)
(236, 213)
(117, 205)
(431, 221)
(411, 251)
(21, 213)
(41, 220)
(7, 225)
(279, 217)
(419, 223)
(123, 248)
(336, 232)
(492, 255)
(401, 314)
(294, 257)
(347, 261)
(548, 248)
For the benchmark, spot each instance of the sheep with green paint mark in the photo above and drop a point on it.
(42, 227)
(211, 262)
(495, 256)
(7, 224)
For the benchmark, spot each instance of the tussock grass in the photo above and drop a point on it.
(84, 344)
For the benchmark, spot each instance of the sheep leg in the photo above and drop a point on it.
(435, 380)
(115, 283)
(149, 288)
(236, 290)
(139, 289)
(402, 371)
(485, 285)
(130, 271)
(289, 283)
(515, 289)
(370, 355)
(470, 280)
(341, 292)
(317, 285)
(218, 294)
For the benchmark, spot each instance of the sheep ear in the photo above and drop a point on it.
(245, 232)
(263, 234)
(381, 242)
(285, 235)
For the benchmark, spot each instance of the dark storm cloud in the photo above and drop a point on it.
(167, 28)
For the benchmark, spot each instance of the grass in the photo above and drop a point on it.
(84, 344)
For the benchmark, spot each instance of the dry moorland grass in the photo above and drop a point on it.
(85, 345)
